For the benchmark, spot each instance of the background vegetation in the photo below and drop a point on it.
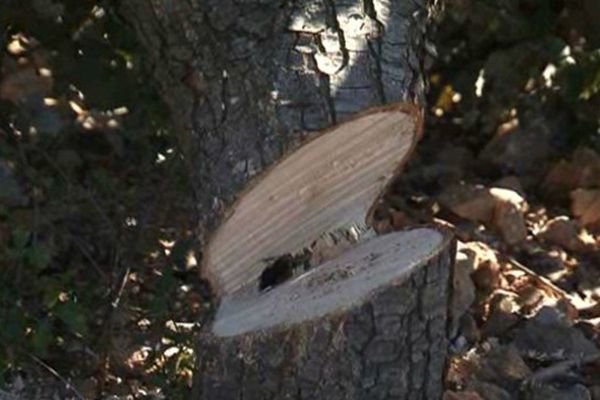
(98, 275)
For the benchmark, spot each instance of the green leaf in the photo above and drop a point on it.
(51, 292)
(73, 316)
(42, 338)
(37, 256)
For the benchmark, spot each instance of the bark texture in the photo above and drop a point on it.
(392, 346)
(245, 80)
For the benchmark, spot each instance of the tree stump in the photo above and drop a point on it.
(369, 324)
(360, 316)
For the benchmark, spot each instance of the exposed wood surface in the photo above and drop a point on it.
(370, 324)
(330, 182)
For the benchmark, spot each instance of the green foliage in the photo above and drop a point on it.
(92, 192)
(530, 57)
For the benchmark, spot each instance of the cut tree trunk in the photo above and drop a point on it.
(247, 80)
(369, 324)
(318, 103)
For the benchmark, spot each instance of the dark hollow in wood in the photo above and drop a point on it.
(370, 324)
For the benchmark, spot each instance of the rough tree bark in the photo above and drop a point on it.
(369, 324)
(246, 81)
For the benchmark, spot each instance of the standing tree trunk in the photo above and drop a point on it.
(246, 81)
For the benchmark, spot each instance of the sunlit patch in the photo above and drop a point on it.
(160, 158)
(479, 83)
(130, 221)
(77, 109)
(548, 74)
(144, 323)
(45, 72)
(18, 44)
(50, 101)
(120, 111)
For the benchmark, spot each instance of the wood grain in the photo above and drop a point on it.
(330, 182)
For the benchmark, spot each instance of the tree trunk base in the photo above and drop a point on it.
(369, 324)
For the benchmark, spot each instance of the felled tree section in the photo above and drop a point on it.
(370, 324)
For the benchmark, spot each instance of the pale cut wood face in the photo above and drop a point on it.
(335, 286)
(328, 183)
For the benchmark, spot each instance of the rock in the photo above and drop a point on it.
(585, 206)
(487, 276)
(582, 172)
(383, 226)
(498, 208)
(551, 316)
(587, 168)
(509, 222)
(477, 252)
(560, 176)
(523, 151)
(511, 182)
(502, 195)
(548, 334)
(595, 392)
(463, 289)
(466, 395)
(529, 297)
(502, 315)
(549, 392)
(565, 233)
(471, 202)
(490, 391)
(486, 270)
(503, 300)
(502, 366)
(447, 166)
(400, 220)
(498, 323)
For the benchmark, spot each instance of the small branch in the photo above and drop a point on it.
(117, 299)
(539, 278)
(68, 384)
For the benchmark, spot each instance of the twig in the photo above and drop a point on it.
(88, 256)
(541, 279)
(117, 299)
(68, 385)
(560, 368)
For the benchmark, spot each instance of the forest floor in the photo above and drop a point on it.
(526, 311)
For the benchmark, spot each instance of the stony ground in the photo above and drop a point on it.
(525, 316)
